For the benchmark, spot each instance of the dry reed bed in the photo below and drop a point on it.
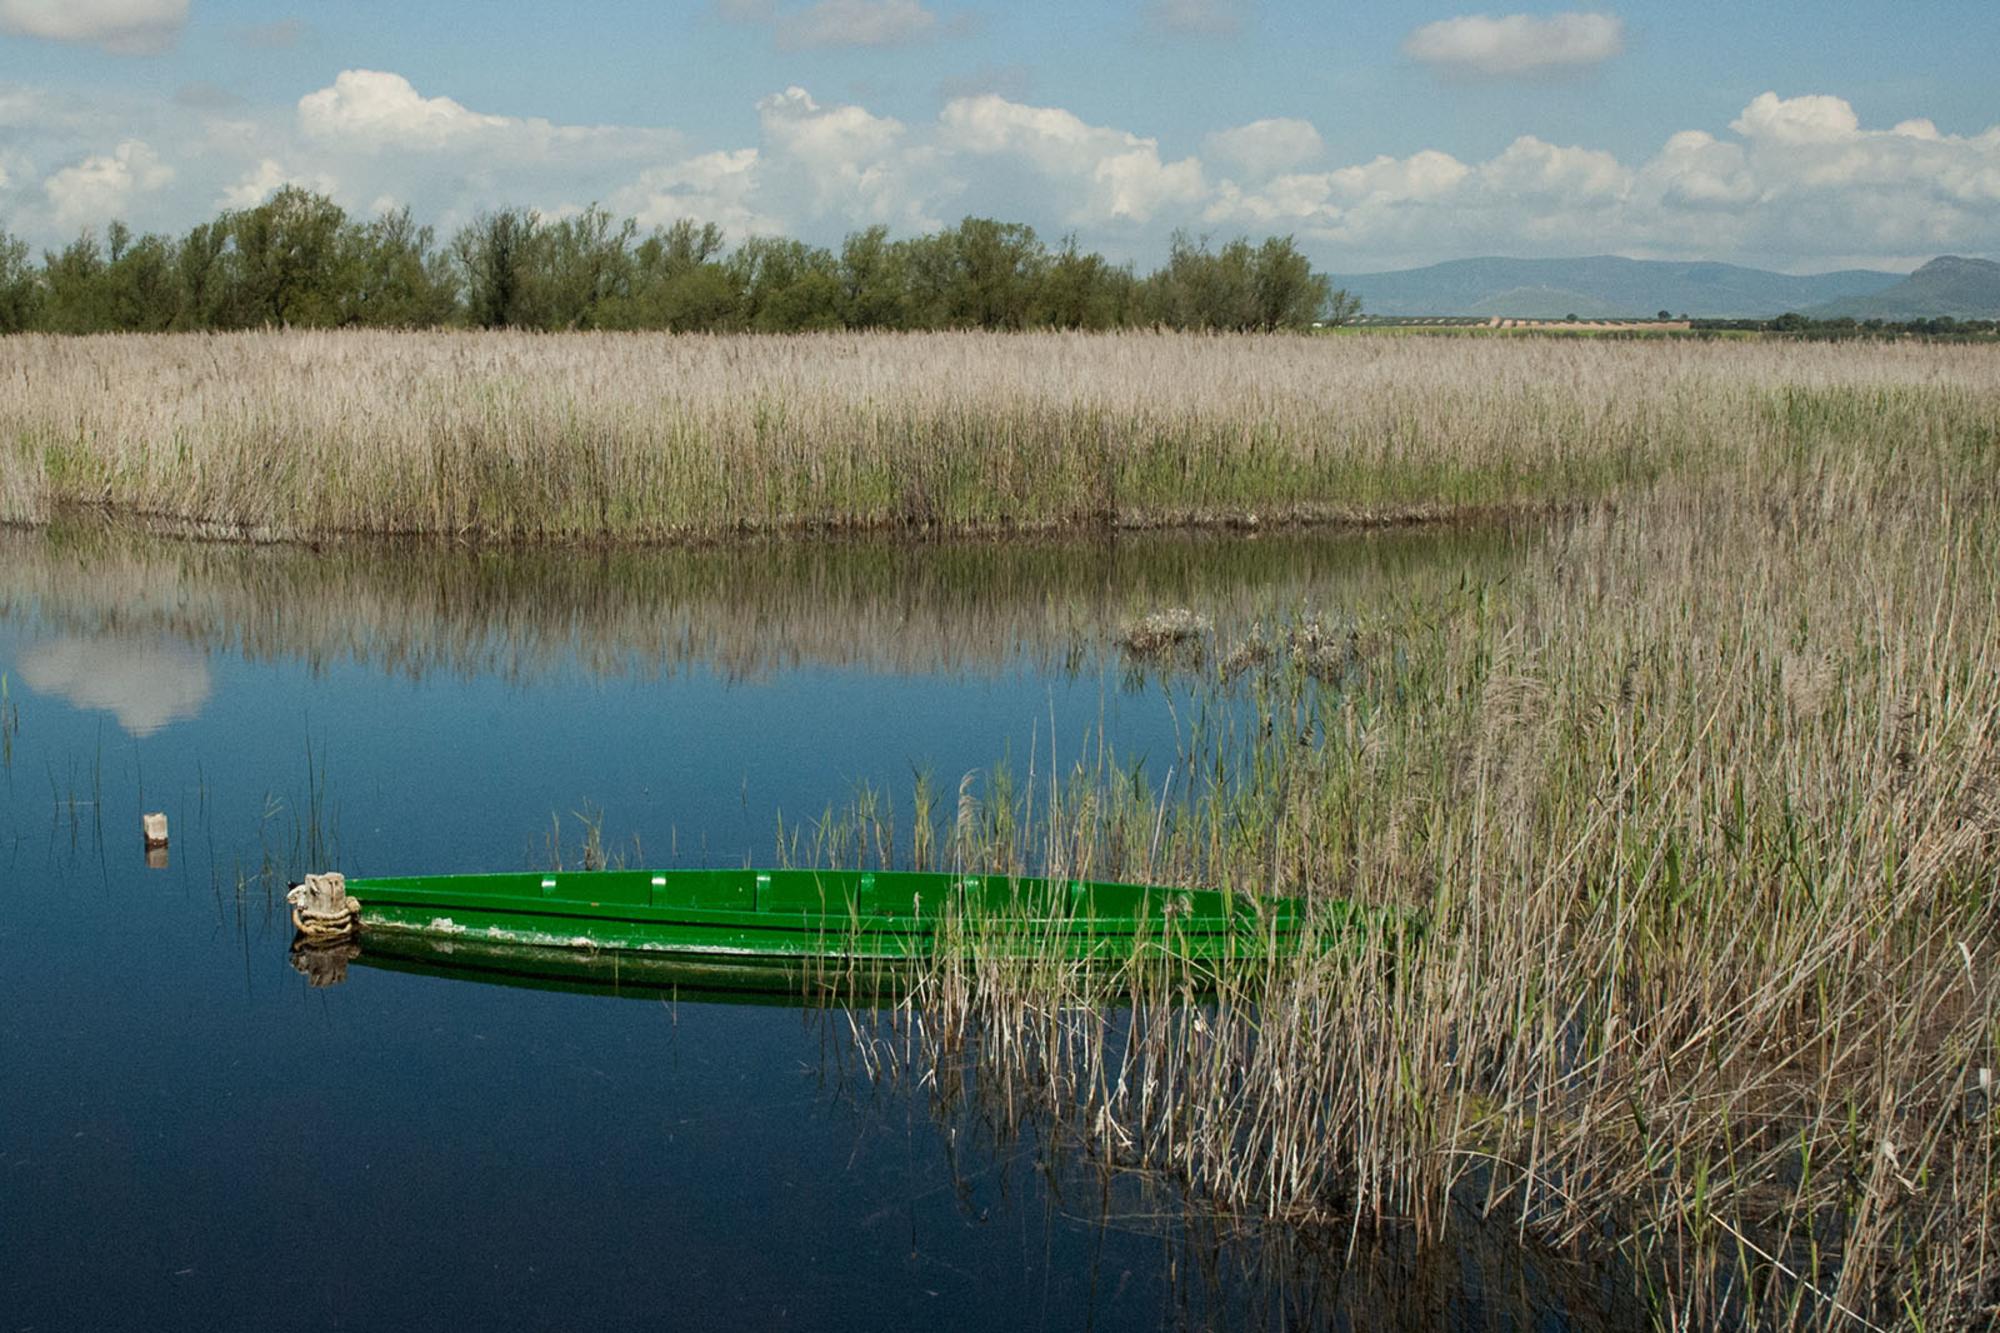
(1704, 819)
(657, 437)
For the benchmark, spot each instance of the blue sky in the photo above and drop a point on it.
(1793, 135)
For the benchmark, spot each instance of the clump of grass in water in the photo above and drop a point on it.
(590, 853)
(1703, 821)
(1175, 631)
(1308, 644)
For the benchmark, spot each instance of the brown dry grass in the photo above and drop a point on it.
(1702, 817)
(658, 437)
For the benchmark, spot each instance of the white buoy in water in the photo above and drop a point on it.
(156, 829)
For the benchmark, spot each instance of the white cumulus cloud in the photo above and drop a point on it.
(1094, 173)
(719, 187)
(1794, 181)
(377, 109)
(1264, 147)
(1797, 120)
(267, 178)
(1802, 182)
(1516, 44)
(369, 111)
(102, 186)
(855, 165)
(123, 27)
(1420, 177)
(1696, 171)
(1530, 167)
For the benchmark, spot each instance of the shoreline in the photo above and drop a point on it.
(1331, 522)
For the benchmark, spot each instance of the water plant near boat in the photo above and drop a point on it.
(1703, 816)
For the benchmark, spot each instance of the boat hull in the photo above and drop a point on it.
(832, 918)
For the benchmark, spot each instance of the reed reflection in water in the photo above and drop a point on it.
(745, 610)
(997, 1158)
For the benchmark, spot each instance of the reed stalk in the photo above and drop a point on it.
(654, 437)
(1702, 819)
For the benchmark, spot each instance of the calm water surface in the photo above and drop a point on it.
(191, 1136)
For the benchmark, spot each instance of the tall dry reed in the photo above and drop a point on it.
(658, 437)
(1702, 817)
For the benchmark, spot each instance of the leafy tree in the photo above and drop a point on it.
(298, 260)
(1203, 289)
(872, 281)
(494, 255)
(787, 285)
(1080, 290)
(141, 289)
(401, 279)
(20, 293)
(998, 267)
(676, 283)
(201, 275)
(289, 261)
(685, 246)
(1240, 287)
(73, 279)
(928, 267)
(585, 262)
(1342, 307)
(1085, 291)
(1289, 295)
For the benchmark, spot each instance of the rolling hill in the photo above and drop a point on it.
(1948, 285)
(1604, 286)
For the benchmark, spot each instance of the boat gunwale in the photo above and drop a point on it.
(1245, 914)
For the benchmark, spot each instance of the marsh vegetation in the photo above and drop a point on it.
(607, 438)
(1703, 819)
(1696, 793)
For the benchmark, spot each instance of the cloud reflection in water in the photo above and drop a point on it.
(145, 683)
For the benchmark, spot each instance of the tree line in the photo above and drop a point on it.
(298, 260)
(1837, 328)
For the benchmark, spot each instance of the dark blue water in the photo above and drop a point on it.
(191, 1136)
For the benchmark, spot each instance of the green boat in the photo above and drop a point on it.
(830, 919)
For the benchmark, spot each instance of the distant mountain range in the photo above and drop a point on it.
(1948, 285)
(1605, 286)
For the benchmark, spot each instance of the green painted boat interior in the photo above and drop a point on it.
(832, 914)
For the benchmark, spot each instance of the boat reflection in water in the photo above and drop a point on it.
(618, 974)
